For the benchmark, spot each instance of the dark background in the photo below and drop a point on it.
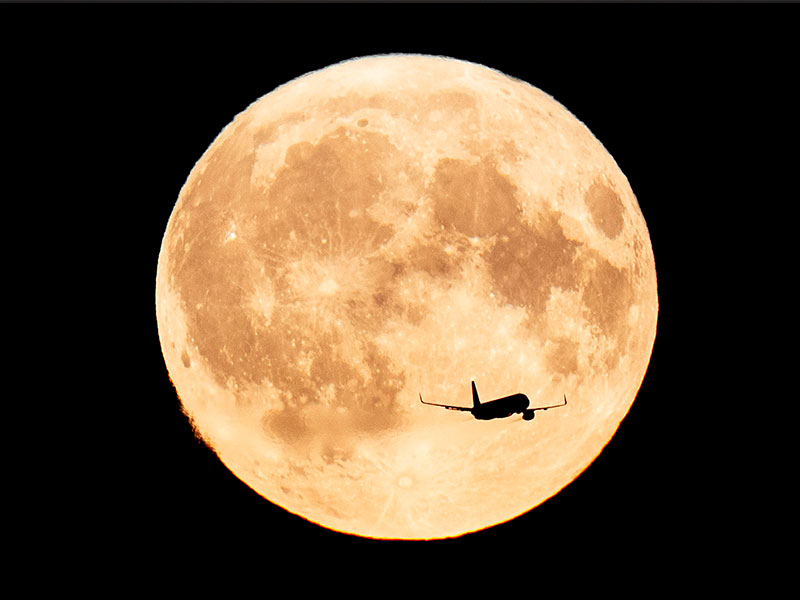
(121, 101)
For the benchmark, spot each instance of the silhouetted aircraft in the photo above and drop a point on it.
(498, 409)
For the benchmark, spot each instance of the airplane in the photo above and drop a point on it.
(499, 408)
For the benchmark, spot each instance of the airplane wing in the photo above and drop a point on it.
(554, 405)
(447, 406)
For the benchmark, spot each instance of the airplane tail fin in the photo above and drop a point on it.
(475, 400)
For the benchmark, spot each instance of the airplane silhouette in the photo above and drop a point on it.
(499, 408)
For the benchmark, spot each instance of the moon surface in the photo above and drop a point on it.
(394, 225)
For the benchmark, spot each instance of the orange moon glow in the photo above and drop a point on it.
(394, 225)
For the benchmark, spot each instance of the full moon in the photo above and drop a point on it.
(397, 225)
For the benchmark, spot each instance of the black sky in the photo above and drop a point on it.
(129, 97)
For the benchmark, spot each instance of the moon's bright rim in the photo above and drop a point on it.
(397, 224)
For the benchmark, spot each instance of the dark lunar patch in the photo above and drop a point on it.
(526, 262)
(376, 408)
(475, 199)
(562, 357)
(316, 208)
(608, 296)
(370, 404)
(315, 211)
(333, 455)
(452, 101)
(298, 154)
(415, 313)
(638, 253)
(212, 293)
(287, 425)
(323, 193)
(267, 133)
(434, 261)
(207, 272)
(187, 362)
(606, 209)
(388, 299)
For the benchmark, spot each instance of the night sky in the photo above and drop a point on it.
(129, 97)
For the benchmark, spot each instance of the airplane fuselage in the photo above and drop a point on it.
(501, 408)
